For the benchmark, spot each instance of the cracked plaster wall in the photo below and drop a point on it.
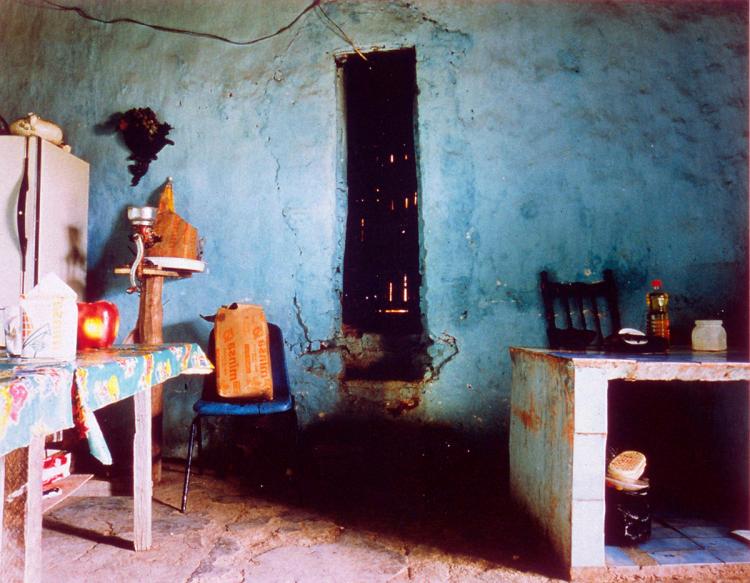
(551, 135)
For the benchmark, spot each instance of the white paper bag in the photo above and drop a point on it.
(45, 322)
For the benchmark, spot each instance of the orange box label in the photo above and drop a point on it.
(243, 359)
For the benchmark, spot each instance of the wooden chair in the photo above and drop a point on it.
(282, 402)
(583, 309)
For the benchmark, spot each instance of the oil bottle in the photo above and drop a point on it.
(657, 318)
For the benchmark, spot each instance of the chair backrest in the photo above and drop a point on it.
(278, 363)
(582, 309)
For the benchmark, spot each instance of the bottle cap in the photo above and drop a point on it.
(656, 283)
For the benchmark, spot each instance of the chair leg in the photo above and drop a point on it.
(195, 425)
(200, 445)
(295, 445)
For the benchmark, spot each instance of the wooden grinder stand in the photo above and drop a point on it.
(149, 330)
(178, 240)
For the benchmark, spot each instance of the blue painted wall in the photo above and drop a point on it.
(570, 136)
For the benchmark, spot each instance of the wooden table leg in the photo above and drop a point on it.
(2, 507)
(157, 430)
(142, 480)
(21, 489)
(150, 326)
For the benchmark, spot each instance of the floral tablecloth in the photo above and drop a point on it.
(34, 400)
(40, 398)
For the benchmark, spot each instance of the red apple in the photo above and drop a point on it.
(98, 323)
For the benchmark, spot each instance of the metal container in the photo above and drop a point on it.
(627, 517)
(142, 215)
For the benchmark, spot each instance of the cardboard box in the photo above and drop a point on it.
(45, 322)
(56, 466)
(243, 357)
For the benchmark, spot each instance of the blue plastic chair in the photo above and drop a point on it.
(282, 401)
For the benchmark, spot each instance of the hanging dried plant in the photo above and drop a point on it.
(144, 136)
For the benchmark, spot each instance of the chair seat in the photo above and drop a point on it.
(217, 408)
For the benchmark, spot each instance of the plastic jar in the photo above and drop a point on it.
(709, 335)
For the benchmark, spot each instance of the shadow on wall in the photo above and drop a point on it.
(187, 332)
(118, 250)
(708, 298)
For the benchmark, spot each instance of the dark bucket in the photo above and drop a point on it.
(627, 519)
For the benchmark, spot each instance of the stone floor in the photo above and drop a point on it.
(230, 535)
(350, 509)
(678, 540)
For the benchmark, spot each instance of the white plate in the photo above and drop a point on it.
(178, 263)
(626, 485)
(634, 332)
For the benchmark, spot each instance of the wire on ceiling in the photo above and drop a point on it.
(340, 32)
(127, 20)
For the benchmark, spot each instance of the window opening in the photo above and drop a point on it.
(381, 257)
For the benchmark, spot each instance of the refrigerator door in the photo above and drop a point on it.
(61, 235)
(12, 154)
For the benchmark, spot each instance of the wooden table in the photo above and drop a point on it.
(101, 378)
(558, 435)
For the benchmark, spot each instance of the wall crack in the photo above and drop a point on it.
(305, 330)
(434, 370)
(422, 15)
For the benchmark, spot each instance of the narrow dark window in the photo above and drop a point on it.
(381, 258)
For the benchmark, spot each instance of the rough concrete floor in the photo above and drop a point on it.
(228, 535)
(364, 504)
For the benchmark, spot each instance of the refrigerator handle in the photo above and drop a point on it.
(23, 240)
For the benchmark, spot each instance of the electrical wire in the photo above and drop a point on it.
(343, 34)
(126, 20)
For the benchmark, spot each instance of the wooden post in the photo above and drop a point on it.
(151, 311)
(14, 518)
(142, 472)
(34, 510)
(150, 331)
(22, 516)
(2, 507)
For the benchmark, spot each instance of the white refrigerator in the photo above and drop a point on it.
(44, 193)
